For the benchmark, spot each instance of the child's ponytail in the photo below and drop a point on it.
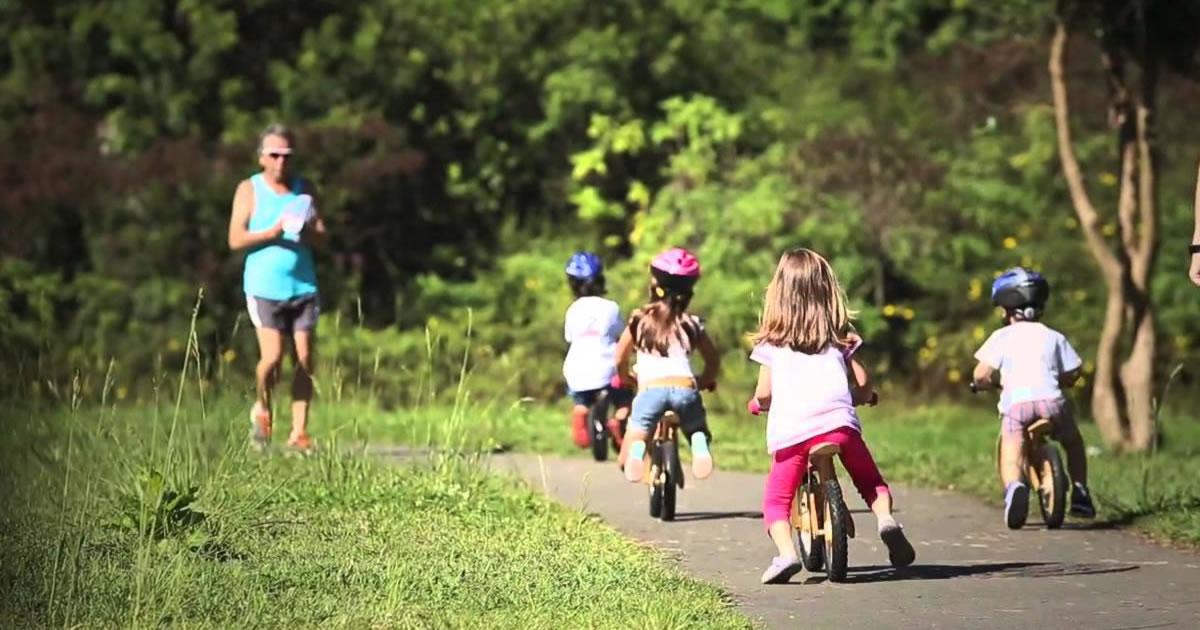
(663, 321)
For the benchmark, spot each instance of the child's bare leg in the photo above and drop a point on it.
(633, 453)
(1012, 457)
(882, 507)
(781, 534)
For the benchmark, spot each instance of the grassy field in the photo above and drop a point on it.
(948, 446)
(145, 515)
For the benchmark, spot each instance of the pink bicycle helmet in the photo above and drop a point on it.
(676, 269)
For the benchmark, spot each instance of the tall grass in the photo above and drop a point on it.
(128, 514)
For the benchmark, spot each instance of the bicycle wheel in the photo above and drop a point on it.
(811, 544)
(1053, 491)
(837, 544)
(670, 479)
(597, 428)
(656, 482)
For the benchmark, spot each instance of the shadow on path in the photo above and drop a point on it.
(867, 574)
(714, 516)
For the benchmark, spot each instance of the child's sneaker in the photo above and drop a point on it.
(1081, 502)
(702, 461)
(781, 570)
(1016, 505)
(260, 426)
(302, 444)
(900, 551)
(579, 428)
(635, 462)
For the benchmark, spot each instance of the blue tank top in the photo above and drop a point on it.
(281, 269)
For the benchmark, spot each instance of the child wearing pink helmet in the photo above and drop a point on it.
(663, 334)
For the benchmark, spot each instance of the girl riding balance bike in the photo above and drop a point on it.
(810, 382)
(663, 334)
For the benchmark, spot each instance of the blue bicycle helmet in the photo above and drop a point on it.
(584, 266)
(1020, 288)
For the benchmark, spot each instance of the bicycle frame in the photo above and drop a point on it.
(814, 520)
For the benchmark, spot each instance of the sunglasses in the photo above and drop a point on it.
(276, 154)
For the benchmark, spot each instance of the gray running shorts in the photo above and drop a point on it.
(298, 313)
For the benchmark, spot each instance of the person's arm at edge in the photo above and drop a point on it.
(240, 237)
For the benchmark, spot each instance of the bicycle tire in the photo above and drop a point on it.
(812, 550)
(656, 485)
(1053, 495)
(837, 547)
(670, 459)
(597, 428)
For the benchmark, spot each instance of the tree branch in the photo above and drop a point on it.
(1089, 219)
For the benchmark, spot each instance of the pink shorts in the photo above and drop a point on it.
(1057, 410)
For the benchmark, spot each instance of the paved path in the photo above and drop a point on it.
(970, 572)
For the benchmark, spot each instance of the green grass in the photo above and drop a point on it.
(946, 446)
(138, 515)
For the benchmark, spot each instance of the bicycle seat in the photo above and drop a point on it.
(824, 449)
(1040, 428)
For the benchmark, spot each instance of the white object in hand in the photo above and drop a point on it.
(295, 215)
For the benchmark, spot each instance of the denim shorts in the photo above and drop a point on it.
(616, 397)
(650, 404)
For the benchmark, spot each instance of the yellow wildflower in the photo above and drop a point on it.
(954, 376)
(975, 291)
(889, 310)
(907, 313)
(978, 333)
(1108, 179)
(1010, 242)
(229, 355)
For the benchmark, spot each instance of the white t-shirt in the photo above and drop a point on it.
(652, 366)
(592, 327)
(1030, 356)
(810, 394)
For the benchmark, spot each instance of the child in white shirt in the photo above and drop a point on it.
(1032, 363)
(592, 326)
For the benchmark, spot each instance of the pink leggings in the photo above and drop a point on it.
(789, 465)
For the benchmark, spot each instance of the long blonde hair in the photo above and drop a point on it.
(805, 307)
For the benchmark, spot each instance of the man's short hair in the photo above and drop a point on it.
(276, 129)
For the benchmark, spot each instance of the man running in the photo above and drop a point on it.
(280, 279)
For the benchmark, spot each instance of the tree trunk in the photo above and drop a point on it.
(1107, 397)
(1122, 398)
(1137, 375)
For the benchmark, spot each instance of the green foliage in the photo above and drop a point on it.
(463, 149)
